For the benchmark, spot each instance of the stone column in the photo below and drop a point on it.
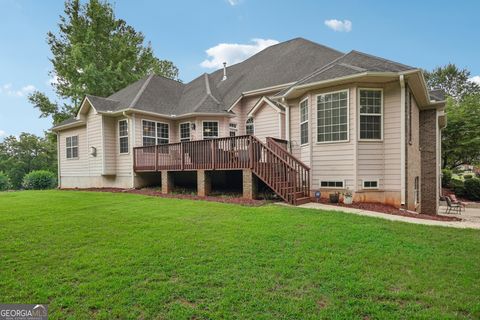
(428, 147)
(167, 181)
(249, 184)
(204, 183)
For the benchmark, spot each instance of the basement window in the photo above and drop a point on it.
(331, 184)
(370, 184)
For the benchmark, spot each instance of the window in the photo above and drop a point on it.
(123, 135)
(332, 117)
(233, 129)
(331, 184)
(371, 114)
(210, 129)
(370, 184)
(72, 147)
(154, 133)
(185, 131)
(304, 122)
(249, 128)
(416, 190)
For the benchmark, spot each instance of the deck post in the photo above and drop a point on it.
(156, 157)
(249, 184)
(204, 183)
(167, 181)
(182, 155)
(250, 152)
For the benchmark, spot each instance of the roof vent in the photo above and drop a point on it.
(224, 71)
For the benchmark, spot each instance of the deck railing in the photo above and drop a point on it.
(271, 162)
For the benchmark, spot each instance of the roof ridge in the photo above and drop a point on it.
(351, 66)
(383, 59)
(160, 76)
(99, 97)
(207, 83)
(140, 92)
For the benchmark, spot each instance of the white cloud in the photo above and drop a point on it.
(338, 25)
(10, 91)
(475, 79)
(233, 2)
(232, 53)
(2, 133)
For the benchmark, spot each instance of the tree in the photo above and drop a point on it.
(461, 137)
(95, 53)
(454, 81)
(25, 154)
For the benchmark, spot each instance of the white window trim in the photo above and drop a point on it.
(218, 126)
(370, 114)
(156, 128)
(332, 180)
(370, 188)
(253, 124)
(180, 131)
(127, 136)
(300, 121)
(78, 148)
(348, 117)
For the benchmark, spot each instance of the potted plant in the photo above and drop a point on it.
(334, 197)
(347, 197)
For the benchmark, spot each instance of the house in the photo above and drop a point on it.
(297, 116)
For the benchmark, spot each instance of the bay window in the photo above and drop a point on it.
(332, 117)
(154, 133)
(210, 129)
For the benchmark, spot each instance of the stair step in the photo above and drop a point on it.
(303, 200)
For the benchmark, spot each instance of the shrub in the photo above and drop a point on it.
(472, 189)
(467, 176)
(446, 177)
(40, 179)
(458, 187)
(4, 182)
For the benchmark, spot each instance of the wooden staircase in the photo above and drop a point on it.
(281, 171)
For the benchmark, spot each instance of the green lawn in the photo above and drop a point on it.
(105, 256)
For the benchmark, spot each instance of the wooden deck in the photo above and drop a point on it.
(271, 162)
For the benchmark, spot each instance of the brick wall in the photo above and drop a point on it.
(428, 145)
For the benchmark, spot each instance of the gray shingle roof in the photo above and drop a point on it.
(437, 95)
(283, 63)
(65, 122)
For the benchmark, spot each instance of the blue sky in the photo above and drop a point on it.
(410, 32)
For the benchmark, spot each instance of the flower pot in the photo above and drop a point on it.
(347, 199)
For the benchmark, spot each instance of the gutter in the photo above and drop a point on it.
(402, 140)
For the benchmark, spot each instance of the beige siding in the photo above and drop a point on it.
(301, 152)
(110, 142)
(94, 139)
(73, 167)
(333, 161)
(392, 137)
(266, 122)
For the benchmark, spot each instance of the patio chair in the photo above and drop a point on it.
(456, 201)
(452, 207)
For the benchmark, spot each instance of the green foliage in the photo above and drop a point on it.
(446, 177)
(454, 81)
(467, 176)
(458, 187)
(28, 152)
(461, 139)
(95, 53)
(472, 189)
(4, 182)
(39, 180)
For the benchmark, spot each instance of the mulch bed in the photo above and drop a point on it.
(382, 208)
(157, 193)
(377, 207)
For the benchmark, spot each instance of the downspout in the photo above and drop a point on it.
(287, 123)
(402, 140)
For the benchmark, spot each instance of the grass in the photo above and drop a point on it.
(106, 256)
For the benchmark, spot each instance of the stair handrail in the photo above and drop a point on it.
(287, 154)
